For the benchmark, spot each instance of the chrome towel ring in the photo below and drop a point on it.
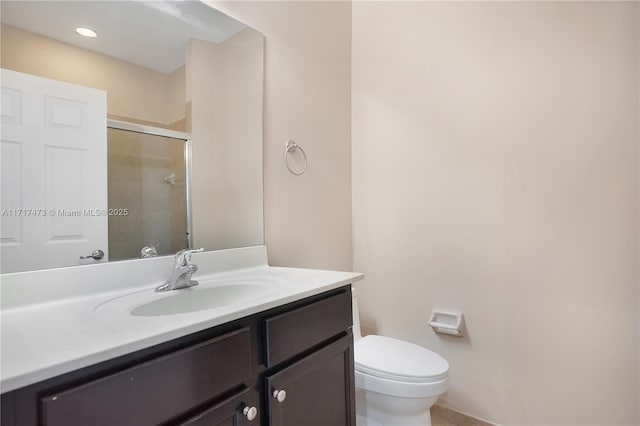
(290, 147)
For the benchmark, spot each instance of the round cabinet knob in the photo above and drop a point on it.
(280, 395)
(250, 412)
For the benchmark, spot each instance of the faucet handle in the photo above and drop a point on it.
(183, 257)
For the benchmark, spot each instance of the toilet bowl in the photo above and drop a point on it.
(396, 382)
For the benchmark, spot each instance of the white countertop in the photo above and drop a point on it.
(43, 337)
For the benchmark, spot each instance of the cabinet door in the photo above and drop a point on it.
(239, 410)
(319, 389)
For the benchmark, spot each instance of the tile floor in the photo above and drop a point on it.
(444, 417)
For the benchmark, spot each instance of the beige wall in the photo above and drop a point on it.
(132, 91)
(176, 96)
(307, 98)
(224, 88)
(495, 171)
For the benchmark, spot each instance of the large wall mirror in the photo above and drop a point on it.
(129, 129)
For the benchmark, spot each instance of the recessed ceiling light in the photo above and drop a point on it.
(86, 32)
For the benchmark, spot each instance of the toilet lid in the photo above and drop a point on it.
(398, 360)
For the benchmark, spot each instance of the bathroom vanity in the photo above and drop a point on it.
(283, 358)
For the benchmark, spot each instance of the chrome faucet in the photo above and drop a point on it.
(182, 271)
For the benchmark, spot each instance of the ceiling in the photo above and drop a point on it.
(152, 34)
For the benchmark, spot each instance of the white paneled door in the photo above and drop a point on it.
(54, 173)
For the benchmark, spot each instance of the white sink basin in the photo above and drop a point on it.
(195, 299)
(209, 294)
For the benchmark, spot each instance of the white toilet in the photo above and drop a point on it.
(397, 382)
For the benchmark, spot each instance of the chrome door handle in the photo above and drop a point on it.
(96, 255)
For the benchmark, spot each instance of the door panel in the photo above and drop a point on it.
(54, 158)
(11, 155)
(66, 173)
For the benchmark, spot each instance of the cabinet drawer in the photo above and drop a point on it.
(155, 391)
(292, 332)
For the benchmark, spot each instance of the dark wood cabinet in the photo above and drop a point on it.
(239, 410)
(156, 390)
(223, 376)
(319, 389)
(7, 409)
(294, 331)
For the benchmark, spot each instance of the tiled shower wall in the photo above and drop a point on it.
(137, 166)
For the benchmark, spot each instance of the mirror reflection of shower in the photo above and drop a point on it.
(171, 179)
(147, 176)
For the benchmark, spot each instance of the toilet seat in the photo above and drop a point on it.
(399, 361)
(398, 389)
